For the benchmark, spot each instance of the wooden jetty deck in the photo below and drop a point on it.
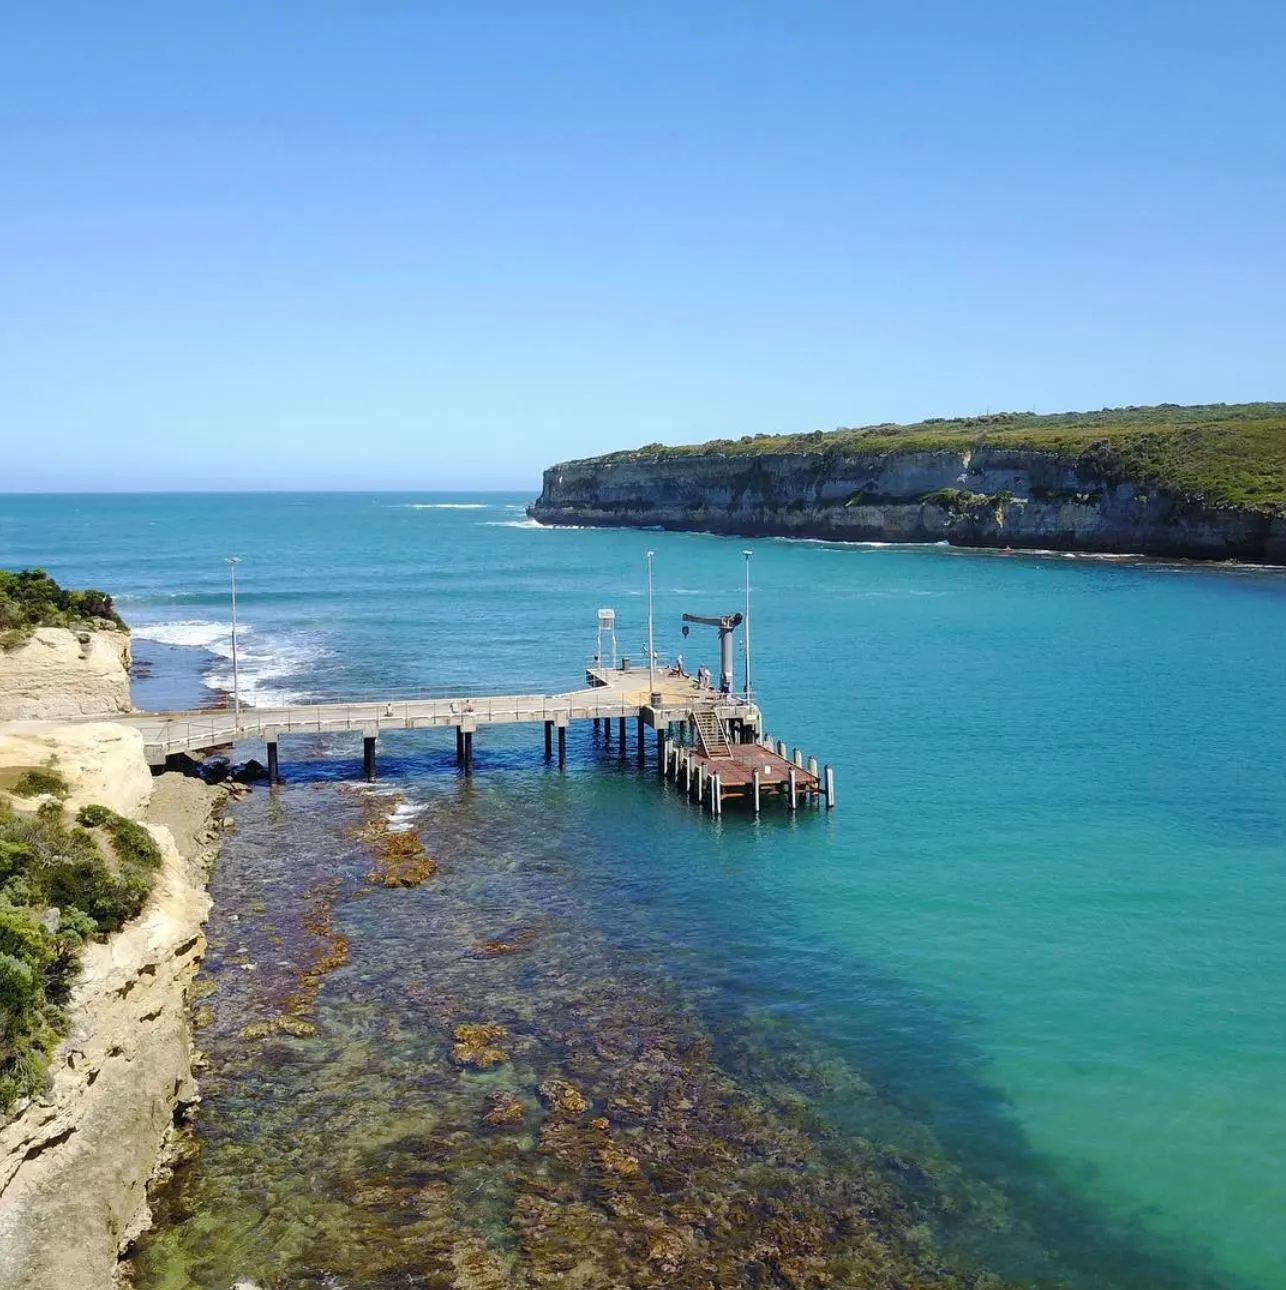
(713, 737)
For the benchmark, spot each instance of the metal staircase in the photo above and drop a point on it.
(714, 739)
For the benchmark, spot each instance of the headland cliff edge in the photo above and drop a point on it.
(1203, 482)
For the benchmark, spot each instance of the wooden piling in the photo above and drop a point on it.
(798, 758)
(562, 747)
(607, 731)
(459, 745)
(273, 776)
(754, 779)
(830, 789)
(641, 741)
(716, 796)
(368, 757)
(549, 740)
(661, 746)
(468, 752)
(620, 733)
(792, 802)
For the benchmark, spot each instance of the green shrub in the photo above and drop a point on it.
(58, 887)
(30, 598)
(35, 782)
(133, 844)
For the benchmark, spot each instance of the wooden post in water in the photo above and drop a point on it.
(817, 785)
(562, 745)
(798, 758)
(368, 756)
(459, 745)
(830, 789)
(468, 752)
(641, 737)
(620, 733)
(754, 782)
(549, 740)
(793, 802)
(662, 748)
(716, 796)
(273, 776)
(607, 731)
(595, 725)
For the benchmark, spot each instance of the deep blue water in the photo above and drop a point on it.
(1045, 921)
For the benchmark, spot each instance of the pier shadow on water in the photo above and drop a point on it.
(589, 1051)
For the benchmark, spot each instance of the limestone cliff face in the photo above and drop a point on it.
(75, 1163)
(985, 496)
(59, 674)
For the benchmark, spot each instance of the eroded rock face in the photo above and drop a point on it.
(75, 1163)
(59, 674)
(988, 497)
(102, 762)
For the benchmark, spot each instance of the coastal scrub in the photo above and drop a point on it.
(58, 888)
(30, 598)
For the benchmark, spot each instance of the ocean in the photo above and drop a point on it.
(1031, 971)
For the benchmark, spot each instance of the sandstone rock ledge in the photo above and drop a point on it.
(60, 674)
(74, 1164)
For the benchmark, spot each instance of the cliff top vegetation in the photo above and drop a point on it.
(30, 598)
(1231, 453)
(62, 882)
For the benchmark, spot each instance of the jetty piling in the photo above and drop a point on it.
(709, 742)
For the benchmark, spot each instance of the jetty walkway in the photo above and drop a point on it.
(712, 740)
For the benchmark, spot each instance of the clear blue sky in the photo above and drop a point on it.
(444, 245)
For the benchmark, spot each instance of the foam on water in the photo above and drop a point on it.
(264, 660)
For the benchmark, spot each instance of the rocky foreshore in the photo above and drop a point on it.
(988, 496)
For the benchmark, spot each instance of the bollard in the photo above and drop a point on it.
(798, 758)
(781, 749)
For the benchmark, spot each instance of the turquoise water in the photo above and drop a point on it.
(1045, 923)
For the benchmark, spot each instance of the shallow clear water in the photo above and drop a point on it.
(1040, 936)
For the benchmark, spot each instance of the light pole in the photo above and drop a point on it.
(233, 561)
(651, 653)
(747, 555)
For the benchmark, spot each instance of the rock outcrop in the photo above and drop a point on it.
(75, 1163)
(987, 496)
(60, 674)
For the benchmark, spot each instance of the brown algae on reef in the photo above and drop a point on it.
(579, 1130)
(476, 1045)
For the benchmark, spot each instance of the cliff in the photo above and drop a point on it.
(1208, 483)
(75, 1162)
(58, 673)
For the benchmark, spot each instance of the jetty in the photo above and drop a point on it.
(708, 740)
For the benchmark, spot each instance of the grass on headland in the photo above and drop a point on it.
(1231, 454)
(58, 888)
(30, 598)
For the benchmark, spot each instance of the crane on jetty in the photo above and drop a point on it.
(708, 740)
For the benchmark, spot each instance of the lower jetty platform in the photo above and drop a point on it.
(710, 742)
